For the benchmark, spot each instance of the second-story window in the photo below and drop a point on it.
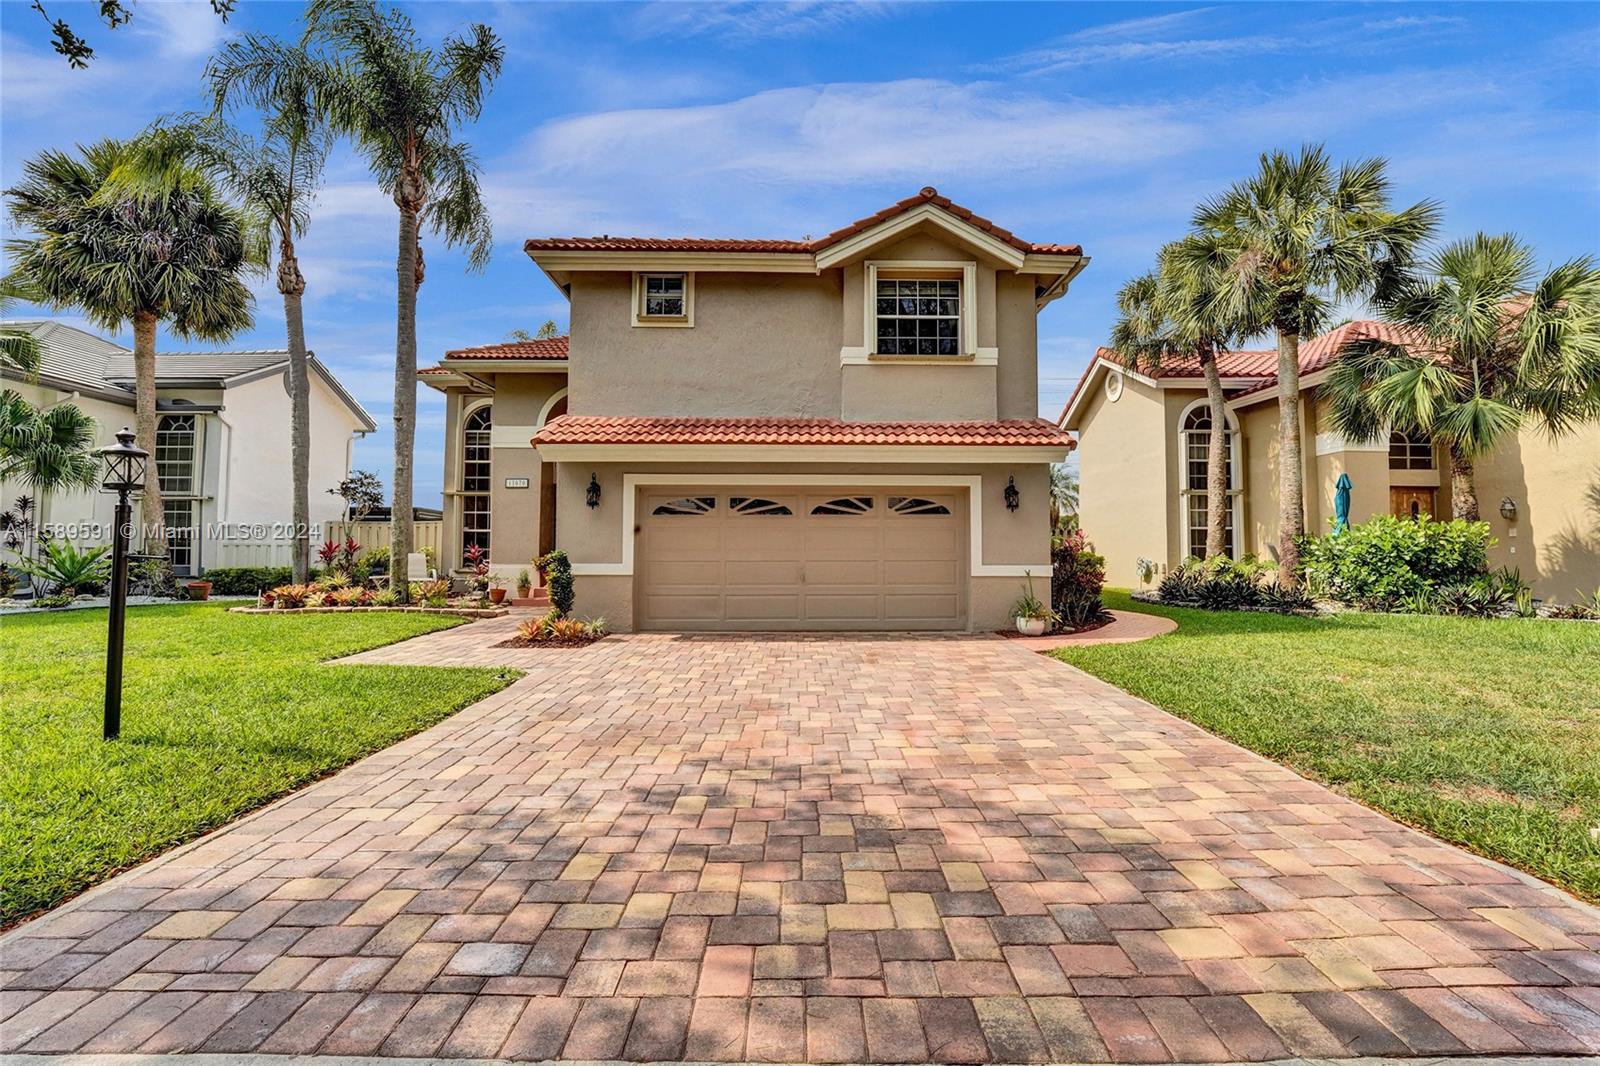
(919, 316)
(663, 296)
(1410, 451)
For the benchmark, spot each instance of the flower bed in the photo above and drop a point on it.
(459, 612)
(556, 630)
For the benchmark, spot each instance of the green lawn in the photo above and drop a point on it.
(221, 713)
(1483, 732)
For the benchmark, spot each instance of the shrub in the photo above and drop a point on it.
(559, 570)
(60, 599)
(1384, 560)
(154, 577)
(386, 597)
(8, 581)
(1223, 584)
(553, 626)
(66, 569)
(287, 596)
(247, 580)
(374, 560)
(1077, 580)
(434, 593)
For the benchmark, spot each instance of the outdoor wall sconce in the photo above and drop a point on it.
(592, 493)
(125, 473)
(1013, 497)
(1508, 509)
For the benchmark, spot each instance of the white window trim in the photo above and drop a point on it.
(685, 321)
(1235, 477)
(973, 483)
(866, 352)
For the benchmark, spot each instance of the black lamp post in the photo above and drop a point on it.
(125, 473)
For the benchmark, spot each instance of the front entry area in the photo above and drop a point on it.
(787, 559)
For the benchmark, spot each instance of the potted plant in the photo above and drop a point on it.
(1032, 616)
(497, 590)
(542, 565)
(198, 589)
(524, 585)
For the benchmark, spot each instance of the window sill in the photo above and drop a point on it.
(679, 323)
(879, 357)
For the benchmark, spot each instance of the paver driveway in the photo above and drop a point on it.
(835, 849)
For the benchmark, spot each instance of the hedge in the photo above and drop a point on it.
(246, 580)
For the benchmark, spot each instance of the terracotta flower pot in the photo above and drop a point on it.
(496, 595)
(198, 590)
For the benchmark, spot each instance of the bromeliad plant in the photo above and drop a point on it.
(66, 570)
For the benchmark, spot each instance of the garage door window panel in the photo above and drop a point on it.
(687, 506)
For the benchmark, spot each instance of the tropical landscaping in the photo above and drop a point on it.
(221, 714)
(1482, 733)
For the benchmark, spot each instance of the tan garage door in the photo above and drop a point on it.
(801, 559)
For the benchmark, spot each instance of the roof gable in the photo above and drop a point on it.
(927, 203)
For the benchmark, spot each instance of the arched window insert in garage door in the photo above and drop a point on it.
(687, 505)
(757, 506)
(916, 505)
(844, 505)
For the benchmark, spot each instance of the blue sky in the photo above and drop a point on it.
(1101, 124)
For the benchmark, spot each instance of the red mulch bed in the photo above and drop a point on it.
(549, 642)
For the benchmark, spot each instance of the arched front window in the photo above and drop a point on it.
(175, 472)
(1194, 446)
(476, 478)
(1410, 451)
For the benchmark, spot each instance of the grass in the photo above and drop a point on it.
(221, 713)
(1485, 733)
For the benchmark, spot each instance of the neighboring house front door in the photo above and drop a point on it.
(1411, 503)
(840, 559)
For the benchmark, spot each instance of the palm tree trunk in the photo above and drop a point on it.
(405, 400)
(1291, 477)
(1217, 502)
(1463, 488)
(292, 284)
(144, 428)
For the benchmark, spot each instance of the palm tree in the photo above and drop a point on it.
(1489, 347)
(48, 449)
(122, 254)
(1063, 496)
(19, 349)
(1175, 313)
(402, 104)
(274, 178)
(1292, 239)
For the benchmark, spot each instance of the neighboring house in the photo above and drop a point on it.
(773, 434)
(1143, 439)
(222, 443)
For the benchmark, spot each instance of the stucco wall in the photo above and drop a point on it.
(67, 508)
(1555, 538)
(1124, 491)
(761, 344)
(1020, 538)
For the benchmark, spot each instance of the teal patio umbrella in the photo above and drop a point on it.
(1341, 503)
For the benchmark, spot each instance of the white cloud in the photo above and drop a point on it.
(844, 134)
(185, 28)
(748, 21)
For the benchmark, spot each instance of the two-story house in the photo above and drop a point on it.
(221, 447)
(838, 433)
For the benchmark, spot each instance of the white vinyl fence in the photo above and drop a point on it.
(229, 553)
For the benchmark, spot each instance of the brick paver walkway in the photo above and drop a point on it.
(830, 849)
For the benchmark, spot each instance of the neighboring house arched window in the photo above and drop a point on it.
(176, 443)
(1410, 451)
(476, 478)
(1194, 446)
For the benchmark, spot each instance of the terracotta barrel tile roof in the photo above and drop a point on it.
(928, 195)
(599, 429)
(1251, 364)
(546, 348)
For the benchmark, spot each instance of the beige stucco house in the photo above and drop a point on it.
(772, 434)
(1143, 438)
(222, 443)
